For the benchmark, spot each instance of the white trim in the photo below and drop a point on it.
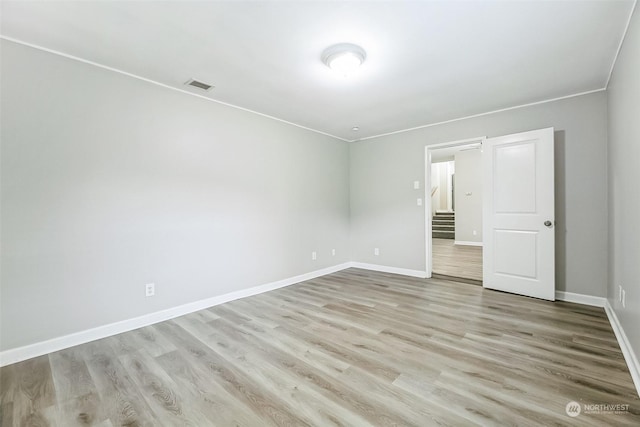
(449, 144)
(144, 79)
(531, 104)
(580, 298)
(106, 67)
(450, 184)
(428, 225)
(18, 354)
(387, 269)
(627, 351)
(624, 36)
(465, 243)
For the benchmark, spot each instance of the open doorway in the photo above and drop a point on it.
(454, 202)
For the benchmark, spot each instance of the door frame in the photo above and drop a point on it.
(428, 149)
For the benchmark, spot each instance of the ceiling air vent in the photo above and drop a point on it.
(199, 85)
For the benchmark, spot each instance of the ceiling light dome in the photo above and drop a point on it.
(344, 58)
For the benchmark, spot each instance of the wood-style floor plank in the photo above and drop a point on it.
(119, 396)
(29, 393)
(267, 405)
(207, 397)
(454, 260)
(77, 396)
(354, 348)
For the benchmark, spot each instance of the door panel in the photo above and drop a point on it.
(519, 197)
(515, 161)
(520, 262)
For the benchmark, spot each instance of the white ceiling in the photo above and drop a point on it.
(427, 61)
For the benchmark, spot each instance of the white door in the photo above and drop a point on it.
(518, 214)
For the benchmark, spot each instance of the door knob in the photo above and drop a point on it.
(548, 223)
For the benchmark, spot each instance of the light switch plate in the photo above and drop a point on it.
(150, 289)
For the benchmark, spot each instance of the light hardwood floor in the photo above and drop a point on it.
(354, 348)
(457, 260)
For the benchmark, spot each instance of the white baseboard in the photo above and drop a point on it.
(386, 269)
(629, 355)
(581, 299)
(15, 355)
(19, 354)
(627, 351)
(465, 243)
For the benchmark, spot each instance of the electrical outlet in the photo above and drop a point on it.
(333, 252)
(624, 299)
(150, 289)
(376, 251)
(475, 233)
(419, 201)
(314, 255)
(416, 185)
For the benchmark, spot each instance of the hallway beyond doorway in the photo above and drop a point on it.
(457, 260)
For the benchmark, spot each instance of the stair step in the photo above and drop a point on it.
(438, 234)
(443, 228)
(443, 225)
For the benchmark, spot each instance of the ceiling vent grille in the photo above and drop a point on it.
(199, 85)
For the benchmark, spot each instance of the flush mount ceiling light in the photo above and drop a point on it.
(344, 58)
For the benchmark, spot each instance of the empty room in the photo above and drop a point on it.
(319, 213)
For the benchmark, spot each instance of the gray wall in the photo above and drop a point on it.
(384, 213)
(109, 182)
(624, 177)
(468, 206)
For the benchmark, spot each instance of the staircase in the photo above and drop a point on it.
(443, 225)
